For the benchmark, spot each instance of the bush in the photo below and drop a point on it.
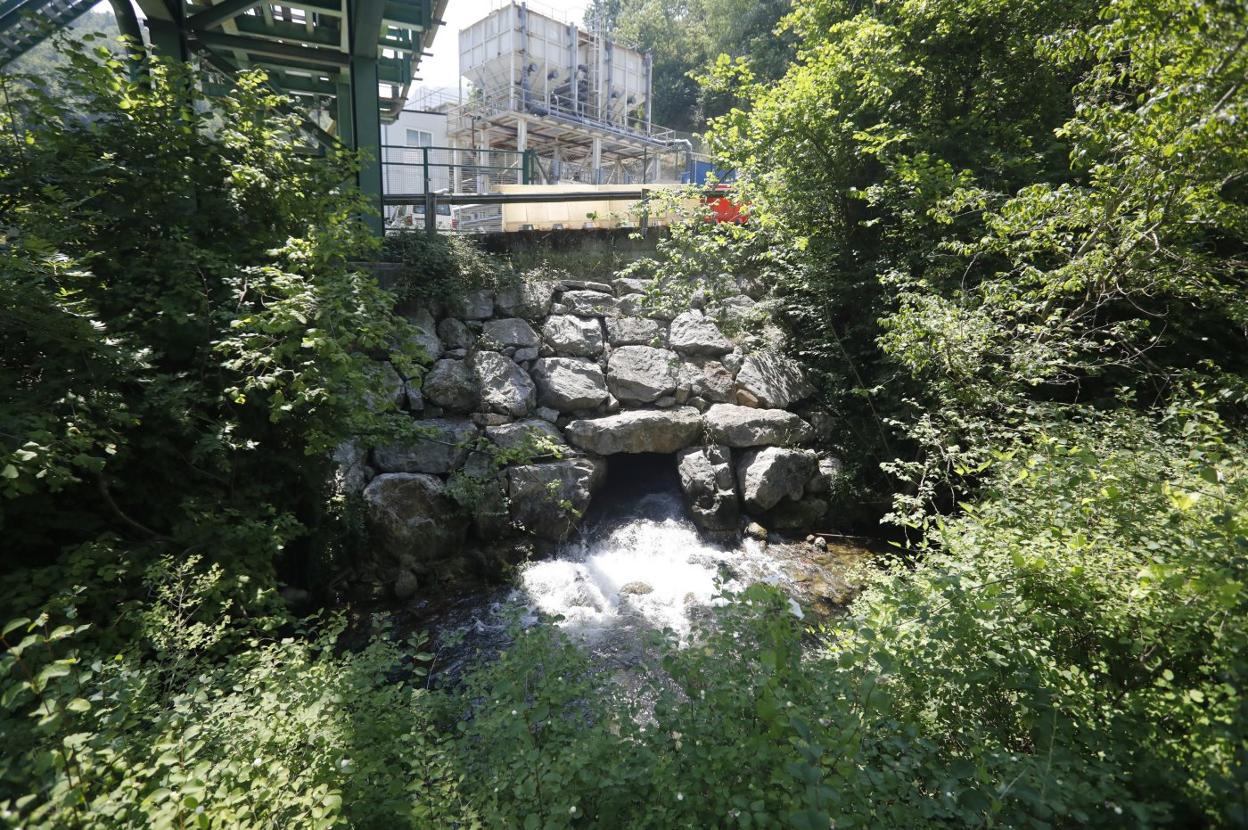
(181, 344)
(438, 267)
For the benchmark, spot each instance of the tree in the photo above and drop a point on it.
(182, 342)
(685, 37)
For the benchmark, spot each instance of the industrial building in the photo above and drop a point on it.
(575, 99)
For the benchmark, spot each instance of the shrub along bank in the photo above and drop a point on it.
(1066, 650)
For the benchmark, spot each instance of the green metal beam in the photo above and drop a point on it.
(297, 32)
(365, 26)
(272, 48)
(366, 130)
(220, 13)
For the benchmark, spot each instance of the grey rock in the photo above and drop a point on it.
(666, 401)
(522, 355)
(441, 450)
(641, 373)
(710, 487)
(505, 387)
(756, 531)
(415, 399)
(804, 514)
(548, 499)
(826, 475)
(635, 331)
(572, 336)
(589, 304)
(776, 381)
(636, 588)
(474, 305)
(528, 299)
(547, 413)
(453, 385)
(587, 285)
(738, 307)
(426, 336)
(490, 419)
(458, 354)
(694, 333)
(637, 305)
(405, 584)
(531, 432)
(569, 384)
(732, 362)
(771, 474)
(351, 470)
(411, 519)
(707, 379)
(630, 285)
(455, 335)
(741, 426)
(637, 430)
(824, 425)
(509, 332)
(744, 397)
(387, 389)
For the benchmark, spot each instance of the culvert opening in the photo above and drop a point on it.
(637, 486)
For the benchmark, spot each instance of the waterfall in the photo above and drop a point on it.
(639, 561)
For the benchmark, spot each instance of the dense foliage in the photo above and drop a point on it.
(181, 343)
(684, 38)
(1010, 237)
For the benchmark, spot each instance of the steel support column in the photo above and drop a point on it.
(364, 24)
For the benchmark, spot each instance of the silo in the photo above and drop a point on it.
(522, 60)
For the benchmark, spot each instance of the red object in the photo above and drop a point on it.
(724, 209)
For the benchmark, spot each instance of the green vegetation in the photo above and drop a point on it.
(1009, 237)
(685, 38)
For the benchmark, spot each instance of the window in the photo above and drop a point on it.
(419, 138)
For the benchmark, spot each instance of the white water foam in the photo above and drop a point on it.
(652, 570)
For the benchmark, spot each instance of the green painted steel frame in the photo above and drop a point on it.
(339, 52)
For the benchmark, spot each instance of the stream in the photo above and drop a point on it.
(637, 565)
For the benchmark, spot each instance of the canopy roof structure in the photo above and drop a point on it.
(351, 62)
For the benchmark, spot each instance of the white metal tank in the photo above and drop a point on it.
(523, 60)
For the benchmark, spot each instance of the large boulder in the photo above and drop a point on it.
(452, 385)
(441, 449)
(635, 331)
(505, 387)
(706, 379)
(637, 430)
(588, 304)
(351, 470)
(771, 474)
(710, 488)
(569, 384)
(527, 434)
(412, 520)
(530, 300)
(511, 332)
(775, 381)
(694, 333)
(807, 513)
(387, 388)
(743, 426)
(455, 335)
(549, 499)
(641, 374)
(474, 305)
(426, 336)
(572, 336)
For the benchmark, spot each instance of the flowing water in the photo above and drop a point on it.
(638, 565)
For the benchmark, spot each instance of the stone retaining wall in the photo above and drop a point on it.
(533, 388)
